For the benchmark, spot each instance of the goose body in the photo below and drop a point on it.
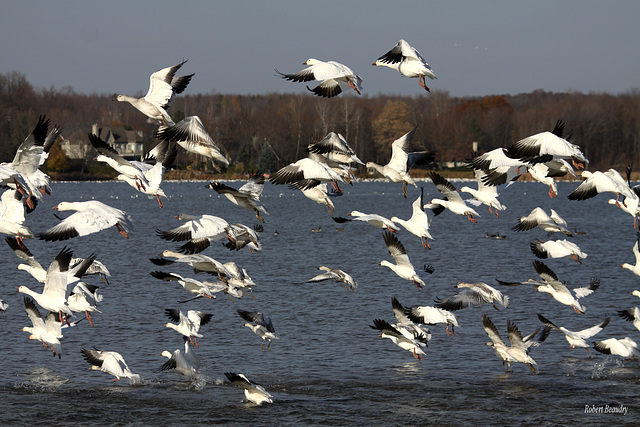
(403, 266)
(110, 362)
(253, 392)
(162, 86)
(407, 61)
(334, 77)
(90, 217)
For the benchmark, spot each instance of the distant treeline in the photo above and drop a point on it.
(271, 130)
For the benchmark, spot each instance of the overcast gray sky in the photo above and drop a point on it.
(474, 47)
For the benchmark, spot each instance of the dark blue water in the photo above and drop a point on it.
(328, 367)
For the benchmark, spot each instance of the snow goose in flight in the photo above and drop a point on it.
(550, 284)
(334, 77)
(404, 155)
(309, 169)
(375, 220)
(451, 200)
(247, 196)
(48, 330)
(539, 218)
(335, 149)
(190, 134)
(403, 266)
(625, 347)
(109, 155)
(110, 362)
(188, 325)
(473, 295)
(190, 285)
(334, 274)
(405, 325)
(243, 235)
(30, 155)
(606, 182)
(3, 305)
(428, 315)
(414, 344)
(419, 222)
(199, 262)
(55, 293)
(576, 338)
(405, 59)
(33, 267)
(484, 194)
(631, 315)
(199, 231)
(317, 191)
(78, 302)
(546, 146)
(90, 217)
(12, 216)
(519, 349)
(163, 85)
(497, 167)
(253, 392)
(153, 177)
(557, 249)
(260, 325)
(182, 361)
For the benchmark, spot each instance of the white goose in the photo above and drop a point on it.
(190, 285)
(404, 155)
(190, 134)
(78, 302)
(55, 293)
(473, 295)
(451, 200)
(253, 392)
(48, 331)
(419, 222)
(407, 61)
(200, 231)
(576, 338)
(334, 77)
(334, 274)
(375, 220)
(110, 362)
(30, 155)
(557, 249)
(403, 266)
(606, 182)
(631, 315)
(182, 361)
(539, 218)
(414, 345)
(519, 349)
(12, 216)
(91, 217)
(484, 194)
(625, 347)
(545, 146)
(260, 325)
(428, 315)
(188, 325)
(634, 268)
(247, 196)
(317, 191)
(162, 87)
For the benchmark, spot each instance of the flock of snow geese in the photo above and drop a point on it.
(329, 162)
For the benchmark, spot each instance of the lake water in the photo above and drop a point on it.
(328, 367)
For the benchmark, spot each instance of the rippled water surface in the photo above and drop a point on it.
(328, 367)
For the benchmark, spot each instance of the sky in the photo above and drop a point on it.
(475, 48)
